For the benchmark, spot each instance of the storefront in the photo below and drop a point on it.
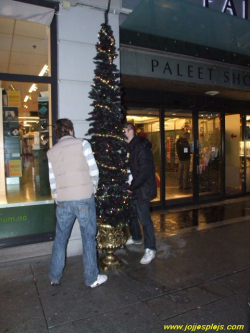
(185, 68)
(172, 53)
(27, 96)
(46, 71)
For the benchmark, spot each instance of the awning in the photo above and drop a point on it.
(190, 24)
(23, 11)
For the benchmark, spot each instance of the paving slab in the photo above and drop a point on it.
(199, 276)
(186, 260)
(20, 307)
(15, 270)
(73, 301)
(188, 299)
(73, 272)
(136, 318)
(238, 282)
(231, 310)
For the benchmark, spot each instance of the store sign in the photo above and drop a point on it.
(26, 220)
(238, 8)
(175, 68)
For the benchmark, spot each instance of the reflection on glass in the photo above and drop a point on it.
(147, 124)
(178, 152)
(234, 162)
(247, 138)
(209, 168)
(25, 139)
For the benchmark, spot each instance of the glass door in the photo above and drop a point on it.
(234, 154)
(178, 130)
(209, 163)
(247, 139)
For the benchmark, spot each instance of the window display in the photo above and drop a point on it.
(27, 209)
(235, 164)
(26, 141)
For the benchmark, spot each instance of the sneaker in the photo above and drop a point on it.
(54, 284)
(100, 279)
(130, 241)
(148, 256)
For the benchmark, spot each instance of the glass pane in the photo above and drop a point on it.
(209, 154)
(247, 138)
(234, 151)
(147, 124)
(24, 47)
(178, 152)
(25, 140)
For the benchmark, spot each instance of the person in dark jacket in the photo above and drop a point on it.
(143, 188)
(183, 152)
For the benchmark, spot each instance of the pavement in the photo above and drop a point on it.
(198, 282)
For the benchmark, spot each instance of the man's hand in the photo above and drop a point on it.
(130, 191)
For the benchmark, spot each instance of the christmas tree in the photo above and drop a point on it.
(107, 136)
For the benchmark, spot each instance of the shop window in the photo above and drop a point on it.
(246, 163)
(210, 156)
(178, 128)
(27, 208)
(234, 154)
(25, 142)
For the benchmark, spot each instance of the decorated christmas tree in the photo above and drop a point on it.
(107, 136)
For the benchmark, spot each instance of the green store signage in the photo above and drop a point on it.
(26, 220)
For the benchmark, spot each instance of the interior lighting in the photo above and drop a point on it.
(30, 121)
(212, 93)
(44, 70)
(33, 88)
(26, 98)
(32, 118)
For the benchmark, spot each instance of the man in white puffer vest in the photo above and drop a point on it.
(73, 175)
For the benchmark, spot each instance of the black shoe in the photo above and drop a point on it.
(187, 188)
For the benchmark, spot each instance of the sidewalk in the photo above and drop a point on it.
(200, 276)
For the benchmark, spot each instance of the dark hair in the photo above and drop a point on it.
(62, 127)
(131, 126)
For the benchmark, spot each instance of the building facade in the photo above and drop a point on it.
(184, 68)
(46, 71)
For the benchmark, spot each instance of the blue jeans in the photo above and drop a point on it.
(66, 213)
(143, 213)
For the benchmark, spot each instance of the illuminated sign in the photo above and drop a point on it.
(238, 8)
(228, 6)
(179, 68)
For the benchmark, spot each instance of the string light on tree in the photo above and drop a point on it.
(107, 136)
